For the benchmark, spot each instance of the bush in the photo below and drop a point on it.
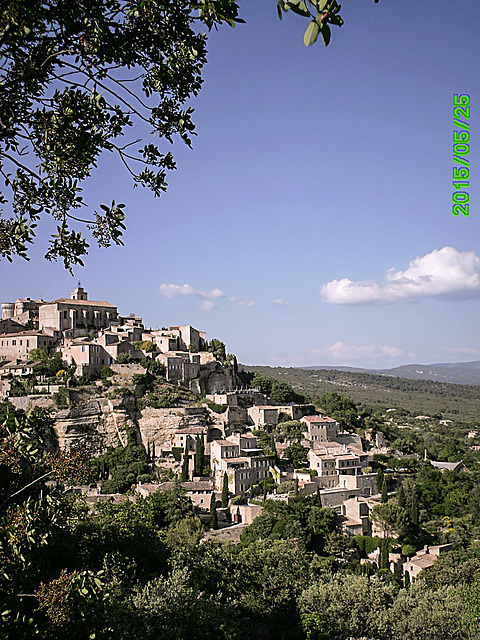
(60, 398)
(216, 408)
(125, 358)
(160, 399)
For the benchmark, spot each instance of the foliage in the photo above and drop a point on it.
(340, 408)
(121, 467)
(408, 397)
(297, 454)
(154, 367)
(213, 512)
(217, 347)
(277, 390)
(73, 83)
(160, 399)
(302, 519)
(47, 364)
(225, 490)
(199, 456)
(213, 406)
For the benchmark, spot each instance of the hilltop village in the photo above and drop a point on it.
(111, 382)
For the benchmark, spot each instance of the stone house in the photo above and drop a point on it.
(355, 517)
(88, 356)
(187, 437)
(332, 458)
(424, 558)
(189, 338)
(319, 429)
(263, 415)
(22, 310)
(199, 491)
(242, 460)
(180, 366)
(76, 316)
(18, 345)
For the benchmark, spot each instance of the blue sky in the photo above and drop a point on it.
(311, 223)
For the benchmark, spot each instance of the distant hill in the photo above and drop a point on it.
(454, 372)
(420, 396)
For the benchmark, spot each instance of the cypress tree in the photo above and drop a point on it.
(184, 472)
(149, 458)
(384, 556)
(414, 508)
(380, 480)
(153, 451)
(319, 497)
(199, 455)
(225, 490)
(384, 497)
(264, 490)
(213, 512)
(401, 497)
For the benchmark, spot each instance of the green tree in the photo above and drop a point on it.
(199, 455)
(213, 512)
(384, 496)
(296, 453)
(184, 471)
(64, 102)
(225, 490)
(217, 347)
(380, 480)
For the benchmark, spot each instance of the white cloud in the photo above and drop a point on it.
(279, 301)
(242, 303)
(177, 290)
(207, 305)
(444, 273)
(339, 351)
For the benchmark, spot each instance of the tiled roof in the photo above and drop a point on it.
(83, 303)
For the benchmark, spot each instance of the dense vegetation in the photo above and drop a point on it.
(454, 401)
(144, 568)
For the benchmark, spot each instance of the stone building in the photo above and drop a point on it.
(76, 316)
(189, 338)
(18, 345)
(319, 429)
(241, 459)
(22, 310)
(88, 356)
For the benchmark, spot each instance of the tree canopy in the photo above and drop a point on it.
(78, 79)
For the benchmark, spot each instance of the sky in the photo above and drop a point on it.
(312, 222)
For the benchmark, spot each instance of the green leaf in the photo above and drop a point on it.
(326, 34)
(311, 34)
(299, 7)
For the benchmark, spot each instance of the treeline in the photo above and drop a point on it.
(437, 399)
(142, 568)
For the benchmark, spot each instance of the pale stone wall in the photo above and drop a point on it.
(18, 345)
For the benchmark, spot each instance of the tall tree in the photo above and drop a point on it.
(225, 491)
(414, 511)
(380, 480)
(384, 496)
(199, 455)
(213, 512)
(184, 471)
(75, 78)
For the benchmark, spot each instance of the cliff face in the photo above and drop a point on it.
(97, 422)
